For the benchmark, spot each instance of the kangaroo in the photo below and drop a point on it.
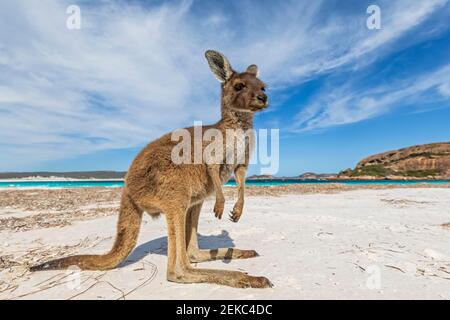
(155, 184)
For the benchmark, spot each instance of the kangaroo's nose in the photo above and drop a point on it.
(262, 98)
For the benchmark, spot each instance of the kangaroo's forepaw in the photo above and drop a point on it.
(235, 215)
(218, 209)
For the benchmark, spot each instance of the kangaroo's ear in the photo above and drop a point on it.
(253, 69)
(219, 65)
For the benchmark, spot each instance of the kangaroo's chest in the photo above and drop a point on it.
(238, 149)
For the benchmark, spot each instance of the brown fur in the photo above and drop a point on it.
(155, 184)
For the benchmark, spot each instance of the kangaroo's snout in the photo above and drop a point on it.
(262, 97)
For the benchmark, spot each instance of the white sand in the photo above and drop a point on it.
(325, 246)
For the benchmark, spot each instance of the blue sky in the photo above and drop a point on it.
(90, 99)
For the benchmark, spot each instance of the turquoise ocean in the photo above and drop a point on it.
(275, 182)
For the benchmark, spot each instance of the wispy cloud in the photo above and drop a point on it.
(125, 76)
(398, 17)
(444, 89)
(135, 71)
(357, 99)
(346, 104)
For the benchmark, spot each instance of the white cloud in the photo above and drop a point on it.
(444, 89)
(131, 74)
(345, 105)
(142, 64)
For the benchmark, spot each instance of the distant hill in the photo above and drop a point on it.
(71, 175)
(260, 177)
(427, 161)
(317, 176)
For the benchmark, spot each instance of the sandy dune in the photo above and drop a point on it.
(375, 244)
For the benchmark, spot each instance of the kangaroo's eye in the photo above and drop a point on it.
(239, 86)
(263, 89)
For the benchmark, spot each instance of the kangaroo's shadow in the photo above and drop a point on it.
(159, 246)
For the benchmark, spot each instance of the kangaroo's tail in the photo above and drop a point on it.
(128, 226)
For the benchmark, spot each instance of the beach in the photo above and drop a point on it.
(329, 241)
